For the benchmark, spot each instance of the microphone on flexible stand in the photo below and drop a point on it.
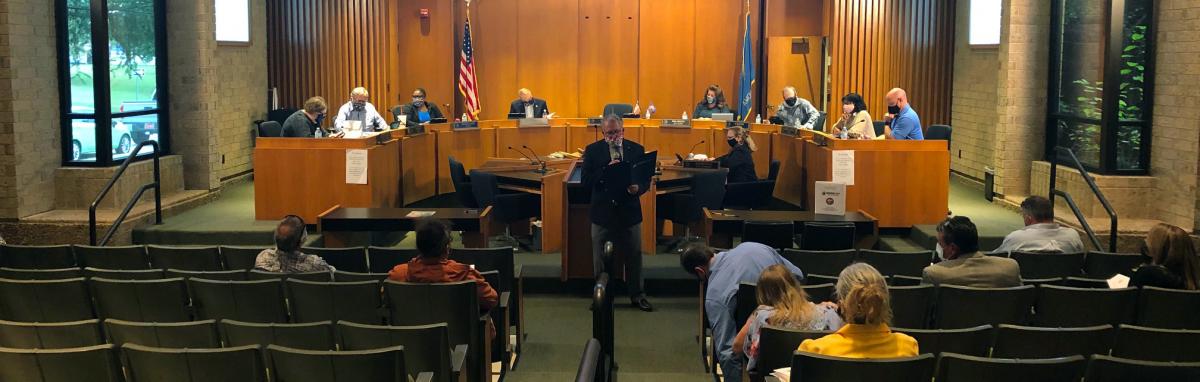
(690, 151)
(540, 162)
(535, 161)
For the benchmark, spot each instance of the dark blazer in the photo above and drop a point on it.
(740, 163)
(539, 107)
(612, 214)
(412, 113)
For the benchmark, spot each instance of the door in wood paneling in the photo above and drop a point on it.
(608, 54)
(804, 71)
(548, 53)
(666, 50)
(494, 24)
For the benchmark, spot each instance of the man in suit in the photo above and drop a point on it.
(528, 107)
(617, 219)
(964, 265)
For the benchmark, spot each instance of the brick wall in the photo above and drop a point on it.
(243, 96)
(973, 107)
(29, 118)
(1177, 113)
(1021, 93)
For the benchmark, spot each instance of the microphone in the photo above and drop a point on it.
(539, 160)
(691, 150)
(535, 161)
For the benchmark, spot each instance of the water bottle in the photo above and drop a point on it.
(684, 115)
(464, 117)
(758, 119)
(651, 110)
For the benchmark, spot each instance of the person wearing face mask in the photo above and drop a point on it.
(795, 110)
(358, 109)
(420, 111)
(963, 264)
(902, 122)
(286, 256)
(525, 106)
(739, 161)
(713, 102)
(306, 122)
(855, 121)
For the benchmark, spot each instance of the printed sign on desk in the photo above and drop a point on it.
(830, 198)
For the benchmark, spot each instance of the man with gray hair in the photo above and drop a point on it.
(1041, 233)
(526, 106)
(616, 214)
(286, 256)
(795, 111)
(358, 109)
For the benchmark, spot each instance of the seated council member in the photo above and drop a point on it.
(739, 161)
(795, 111)
(306, 122)
(902, 122)
(866, 306)
(855, 118)
(421, 111)
(528, 107)
(358, 109)
(713, 102)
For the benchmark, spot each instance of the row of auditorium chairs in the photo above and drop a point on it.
(429, 347)
(1099, 265)
(189, 258)
(952, 367)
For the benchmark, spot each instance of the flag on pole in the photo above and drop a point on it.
(747, 79)
(466, 72)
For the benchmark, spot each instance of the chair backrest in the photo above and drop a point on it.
(897, 263)
(964, 307)
(308, 336)
(195, 334)
(317, 276)
(811, 367)
(938, 132)
(957, 368)
(37, 256)
(619, 109)
(900, 280)
(745, 301)
(819, 125)
(1060, 306)
(773, 170)
(974, 341)
(1014, 341)
(40, 274)
(127, 274)
(776, 345)
(815, 279)
(343, 276)
(485, 186)
(911, 305)
(778, 235)
(819, 292)
(228, 275)
(462, 184)
(1035, 265)
(148, 363)
(45, 300)
(240, 257)
(501, 259)
(427, 347)
(281, 115)
(456, 304)
(1104, 265)
(589, 362)
(55, 335)
(826, 236)
(1103, 368)
(382, 259)
(878, 125)
(820, 262)
(97, 363)
(1153, 344)
(249, 301)
(185, 258)
(123, 257)
(1168, 308)
(270, 129)
(162, 300)
(353, 259)
(708, 189)
(1083, 282)
(356, 301)
(295, 365)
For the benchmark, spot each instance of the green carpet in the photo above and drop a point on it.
(227, 220)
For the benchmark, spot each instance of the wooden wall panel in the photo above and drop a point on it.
(548, 53)
(794, 17)
(718, 42)
(666, 54)
(799, 70)
(493, 24)
(428, 52)
(608, 61)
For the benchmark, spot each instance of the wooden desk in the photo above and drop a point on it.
(338, 222)
(419, 177)
(471, 147)
(518, 175)
(306, 176)
(721, 226)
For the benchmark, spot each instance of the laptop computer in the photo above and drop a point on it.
(722, 116)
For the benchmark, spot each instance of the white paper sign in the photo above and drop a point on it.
(843, 167)
(829, 198)
(403, 119)
(356, 166)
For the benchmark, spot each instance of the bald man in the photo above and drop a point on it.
(525, 106)
(902, 122)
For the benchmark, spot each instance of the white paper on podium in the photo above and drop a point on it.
(356, 166)
(829, 198)
(843, 167)
(353, 129)
(403, 119)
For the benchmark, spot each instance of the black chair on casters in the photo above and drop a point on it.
(939, 132)
(879, 130)
(707, 191)
(270, 129)
(752, 195)
(506, 208)
(462, 184)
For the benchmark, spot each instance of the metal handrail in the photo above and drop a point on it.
(602, 328)
(1112, 213)
(156, 184)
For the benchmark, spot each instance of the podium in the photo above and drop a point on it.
(306, 176)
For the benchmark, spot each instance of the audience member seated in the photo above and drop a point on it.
(286, 256)
(1041, 233)
(863, 298)
(723, 272)
(963, 264)
(783, 303)
(1173, 263)
(433, 264)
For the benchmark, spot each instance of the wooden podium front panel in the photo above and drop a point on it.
(902, 183)
(553, 194)
(542, 140)
(471, 147)
(790, 186)
(670, 141)
(306, 176)
(419, 175)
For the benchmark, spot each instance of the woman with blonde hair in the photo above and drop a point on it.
(865, 305)
(1173, 263)
(782, 303)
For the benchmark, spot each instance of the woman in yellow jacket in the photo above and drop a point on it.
(866, 307)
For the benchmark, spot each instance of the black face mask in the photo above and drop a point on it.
(893, 109)
(320, 118)
(732, 142)
(418, 102)
(359, 105)
(791, 101)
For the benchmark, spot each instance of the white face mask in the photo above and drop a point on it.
(938, 251)
(848, 108)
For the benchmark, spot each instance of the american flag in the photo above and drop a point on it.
(466, 73)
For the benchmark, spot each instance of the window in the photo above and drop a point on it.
(984, 22)
(110, 53)
(1101, 75)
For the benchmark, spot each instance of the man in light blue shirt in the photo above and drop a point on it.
(723, 272)
(902, 121)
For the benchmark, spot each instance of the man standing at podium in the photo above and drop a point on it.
(528, 107)
(617, 219)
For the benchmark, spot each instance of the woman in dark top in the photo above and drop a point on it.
(713, 102)
(1173, 263)
(421, 111)
(739, 161)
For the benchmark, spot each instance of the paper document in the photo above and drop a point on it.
(829, 198)
(420, 214)
(843, 167)
(784, 374)
(1119, 281)
(356, 166)
(353, 129)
